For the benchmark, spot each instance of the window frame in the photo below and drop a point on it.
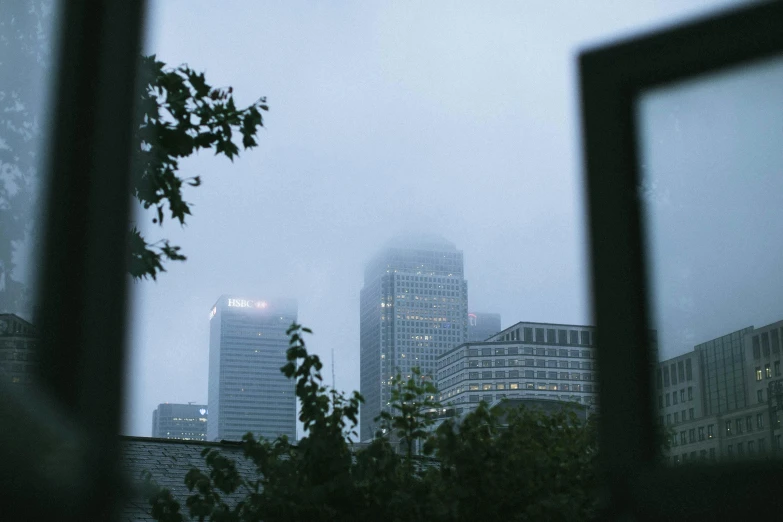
(611, 79)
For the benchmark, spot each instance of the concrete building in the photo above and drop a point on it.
(18, 356)
(482, 326)
(247, 348)
(180, 421)
(727, 408)
(413, 307)
(526, 360)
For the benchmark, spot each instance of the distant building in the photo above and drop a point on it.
(18, 355)
(527, 360)
(247, 348)
(413, 307)
(481, 326)
(180, 421)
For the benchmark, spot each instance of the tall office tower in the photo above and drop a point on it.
(180, 421)
(482, 326)
(414, 306)
(247, 391)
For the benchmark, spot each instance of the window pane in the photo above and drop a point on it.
(711, 185)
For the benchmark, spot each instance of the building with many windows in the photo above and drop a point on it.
(727, 411)
(18, 356)
(180, 421)
(482, 326)
(536, 360)
(247, 348)
(413, 308)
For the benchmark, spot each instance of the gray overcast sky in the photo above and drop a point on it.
(447, 117)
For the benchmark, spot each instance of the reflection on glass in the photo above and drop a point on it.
(711, 157)
(25, 67)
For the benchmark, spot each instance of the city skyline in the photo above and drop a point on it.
(382, 120)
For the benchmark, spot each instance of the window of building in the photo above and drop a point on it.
(692, 435)
(775, 340)
(756, 347)
(683, 438)
(730, 449)
(500, 351)
(712, 453)
(674, 373)
(690, 391)
(659, 378)
(668, 400)
(500, 375)
(760, 421)
(513, 374)
(682, 395)
(691, 414)
(540, 375)
(681, 371)
(688, 370)
(585, 337)
(762, 444)
(668, 419)
(674, 398)
(767, 371)
(777, 368)
(740, 448)
(728, 427)
(751, 446)
(486, 363)
(740, 427)
(701, 432)
(760, 395)
(758, 373)
(660, 401)
(676, 417)
(765, 344)
(666, 376)
(473, 375)
(486, 375)
(749, 423)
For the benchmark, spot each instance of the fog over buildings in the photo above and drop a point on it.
(459, 120)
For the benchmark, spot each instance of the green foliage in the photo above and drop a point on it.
(180, 114)
(499, 464)
(413, 407)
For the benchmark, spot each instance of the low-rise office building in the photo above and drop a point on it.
(541, 360)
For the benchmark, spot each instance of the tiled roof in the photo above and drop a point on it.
(168, 461)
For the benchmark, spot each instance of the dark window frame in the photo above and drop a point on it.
(612, 78)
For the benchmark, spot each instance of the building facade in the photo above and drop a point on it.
(180, 421)
(18, 355)
(730, 409)
(413, 308)
(247, 348)
(482, 326)
(533, 360)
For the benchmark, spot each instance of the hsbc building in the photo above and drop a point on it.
(247, 348)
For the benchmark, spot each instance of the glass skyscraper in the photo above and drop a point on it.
(413, 306)
(247, 348)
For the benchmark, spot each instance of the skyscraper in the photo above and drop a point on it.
(247, 348)
(481, 326)
(413, 307)
(180, 421)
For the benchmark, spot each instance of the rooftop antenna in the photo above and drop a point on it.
(334, 383)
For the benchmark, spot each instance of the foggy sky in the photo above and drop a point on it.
(459, 119)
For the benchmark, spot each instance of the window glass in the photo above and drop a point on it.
(700, 140)
(27, 71)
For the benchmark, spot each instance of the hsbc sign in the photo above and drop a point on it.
(246, 303)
